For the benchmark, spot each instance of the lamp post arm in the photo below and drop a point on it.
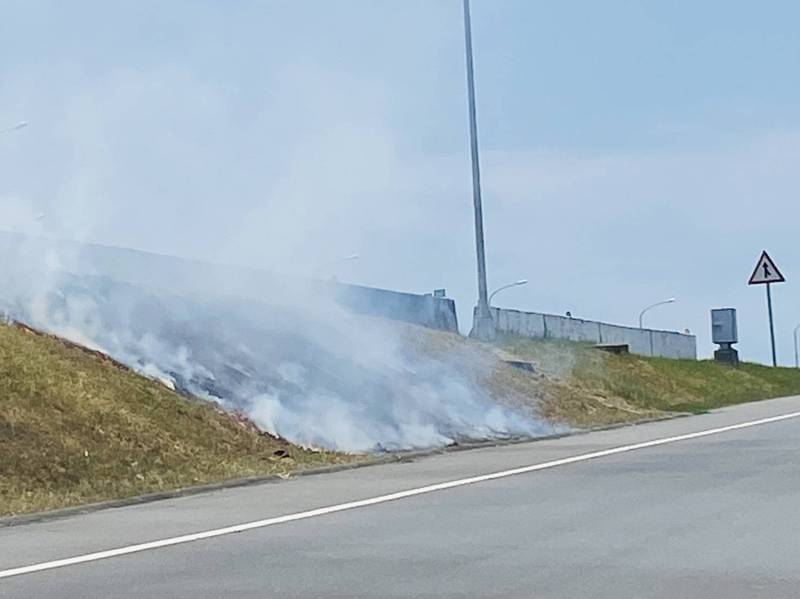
(642, 313)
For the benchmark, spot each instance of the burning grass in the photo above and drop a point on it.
(555, 382)
(76, 428)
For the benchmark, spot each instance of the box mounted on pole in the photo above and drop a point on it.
(724, 332)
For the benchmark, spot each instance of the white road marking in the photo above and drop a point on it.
(218, 532)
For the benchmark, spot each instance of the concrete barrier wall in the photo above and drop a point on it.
(198, 280)
(637, 340)
(426, 310)
(575, 329)
(674, 345)
(645, 342)
(521, 323)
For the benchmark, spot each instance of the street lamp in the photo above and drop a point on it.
(499, 289)
(661, 303)
(322, 267)
(19, 125)
(796, 351)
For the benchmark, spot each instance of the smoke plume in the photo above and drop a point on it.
(281, 350)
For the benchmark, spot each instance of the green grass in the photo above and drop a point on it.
(76, 428)
(637, 386)
(697, 386)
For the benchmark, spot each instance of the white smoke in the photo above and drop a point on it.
(286, 167)
(293, 360)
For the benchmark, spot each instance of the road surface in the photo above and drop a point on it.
(707, 506)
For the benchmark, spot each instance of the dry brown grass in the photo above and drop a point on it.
(580, 386)
(559, 390)
(76, 428)
(602, 388)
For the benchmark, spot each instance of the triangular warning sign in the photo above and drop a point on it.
(765, 272)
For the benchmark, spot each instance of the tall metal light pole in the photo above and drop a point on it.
(482, 323)
(642, 313)
(796, 350)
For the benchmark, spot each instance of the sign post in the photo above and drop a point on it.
(766, 273)
(771, 325)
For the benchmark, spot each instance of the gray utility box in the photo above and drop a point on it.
(723, 326)
(724, 333)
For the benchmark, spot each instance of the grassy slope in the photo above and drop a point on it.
(581, 386)
(599, 388)
(76, 428)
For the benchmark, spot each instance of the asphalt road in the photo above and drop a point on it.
(709, 516)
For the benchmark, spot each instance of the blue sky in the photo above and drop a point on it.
(631, 150)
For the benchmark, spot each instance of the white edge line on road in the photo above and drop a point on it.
(218, 532)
